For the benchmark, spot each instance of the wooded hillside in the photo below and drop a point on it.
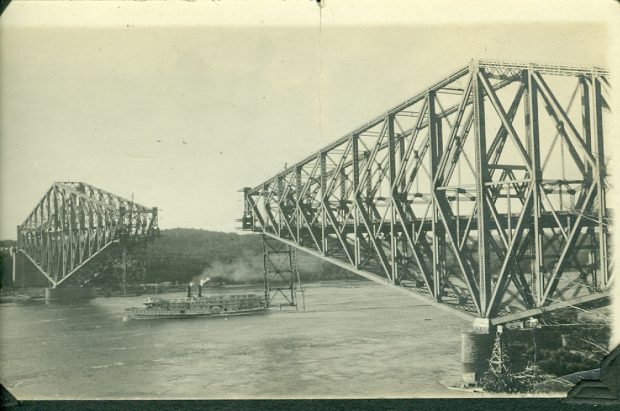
(183, 254)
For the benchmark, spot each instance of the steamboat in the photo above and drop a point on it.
(224, 305)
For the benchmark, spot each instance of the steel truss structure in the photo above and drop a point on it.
(282, 282)
(77, 232)
(485, 193)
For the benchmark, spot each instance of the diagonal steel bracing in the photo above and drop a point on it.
(76, 224)
(446, 195)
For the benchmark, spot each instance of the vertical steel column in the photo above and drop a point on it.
(298, 200)
(247, 208)
(63, 235)
(368, 199)
(356, 183)
(597, 127)
(441, 230)
(45, 238)
(533, 149)
(280, 190)
(393, 193)
(482, 177)
(586, 117)
(265, 193)
(402, 196)
(585, 121)
(15, 256)
(592, 256)
(402, 152)
(266, 272)
(343, 195)
(58, 229)
(155, 222)
(295, 277)
(41, 224)
(323, 177)
(69, 245)
(13, 253)
(124, 268)
(436, 148)
(292, 277)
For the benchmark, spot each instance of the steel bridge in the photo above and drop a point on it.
(484, 194)
(77, 232)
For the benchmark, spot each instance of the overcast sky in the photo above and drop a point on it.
(183, 104)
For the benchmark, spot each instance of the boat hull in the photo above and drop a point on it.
(144, 314)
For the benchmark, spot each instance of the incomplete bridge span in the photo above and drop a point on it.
(485, 193)
(78, 232)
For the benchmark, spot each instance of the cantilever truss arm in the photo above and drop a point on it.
(447, 196)
(74, 222)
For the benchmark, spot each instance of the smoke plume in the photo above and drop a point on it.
(246, 268)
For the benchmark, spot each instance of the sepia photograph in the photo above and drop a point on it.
(239, 200)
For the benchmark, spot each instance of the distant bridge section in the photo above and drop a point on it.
(77, 231)
(484, 194)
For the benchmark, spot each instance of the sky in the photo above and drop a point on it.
(183, 104)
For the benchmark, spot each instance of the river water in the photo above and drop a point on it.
(355, 339)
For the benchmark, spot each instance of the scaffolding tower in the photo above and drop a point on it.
(282, 282)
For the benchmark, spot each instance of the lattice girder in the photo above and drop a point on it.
(480, 192)
(74, 222)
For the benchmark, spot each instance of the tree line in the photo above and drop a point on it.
(183, 254)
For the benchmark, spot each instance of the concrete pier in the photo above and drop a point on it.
(476, 348)
(475, 354)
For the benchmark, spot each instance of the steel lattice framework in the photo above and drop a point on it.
(74, 223)
(485, 193)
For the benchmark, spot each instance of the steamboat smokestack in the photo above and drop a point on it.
(199, 290)
(189, 290)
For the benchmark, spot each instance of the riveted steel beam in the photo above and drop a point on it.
(422, 196)
(74, 223)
